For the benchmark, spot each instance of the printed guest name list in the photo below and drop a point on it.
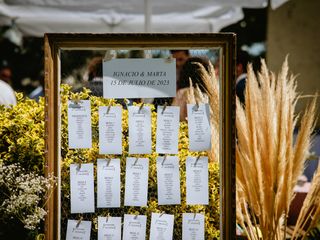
(79, 124)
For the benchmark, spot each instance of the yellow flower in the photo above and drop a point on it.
(23, 142)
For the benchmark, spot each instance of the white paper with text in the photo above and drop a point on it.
(79, 124)
(110, 130)
(78, 230)
(139, 78)
(199, 127)
(134, 227)
(139, 130)
(109, 228)
(192, 226)
(161, 226)
(197, 180)
(167, 134)
(82, 188)
(108, 183)
(168, 180)
(136, 185)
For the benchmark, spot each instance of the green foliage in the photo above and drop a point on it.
(22, 188)
(22, 134)
(22, 141)
(91, 155)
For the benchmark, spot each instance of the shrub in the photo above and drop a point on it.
(22, 184)
(22, 134)
(22, 142)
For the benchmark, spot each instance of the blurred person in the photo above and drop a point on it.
(181, 57)
(94, 72)
(38, 91)
(302, 184)
(7, 95)
(190, 70)
(241, 74)
(6, 74)
(216, 67)
(138, 54)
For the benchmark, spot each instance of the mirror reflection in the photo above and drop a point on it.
(149, 173)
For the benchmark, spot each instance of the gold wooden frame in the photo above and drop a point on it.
(54, 43)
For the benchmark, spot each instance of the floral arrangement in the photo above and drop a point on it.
(22, 194)
(23, 186)
(69, 156)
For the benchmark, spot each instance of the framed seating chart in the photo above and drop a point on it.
(142, 141)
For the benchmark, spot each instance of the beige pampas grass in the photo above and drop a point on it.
(268, 161)
(212, 97)
(310, 212)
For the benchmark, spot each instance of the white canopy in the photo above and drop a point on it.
(36, 17)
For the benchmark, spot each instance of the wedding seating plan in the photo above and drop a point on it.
(134, 227)
(139, 130)
(136, 171)
(79, 124)
(192, 226)
(110, 130)
(109, 228)
(168, 179)
(167, 130)
(136, 189)
(82, 188)
(197, 180)
(108, 178)
(199, 127)
(141, 145)
(108, 183)
(78, 229)
(161, 226)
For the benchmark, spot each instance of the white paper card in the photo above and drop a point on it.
(134, 227)
(161, 226)
(167, 130)
(199, 127)
(108, 183)
(136, 186)
(168, 180)
(82, 188)
(110, 130)
(109, 228)
(139, 78)
(197, 180)
(192, 226)
(139, 130)
(79, 231)
(79, 124)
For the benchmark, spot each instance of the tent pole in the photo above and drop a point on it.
(147, 15)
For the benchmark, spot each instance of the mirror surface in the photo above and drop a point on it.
(76, 73)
